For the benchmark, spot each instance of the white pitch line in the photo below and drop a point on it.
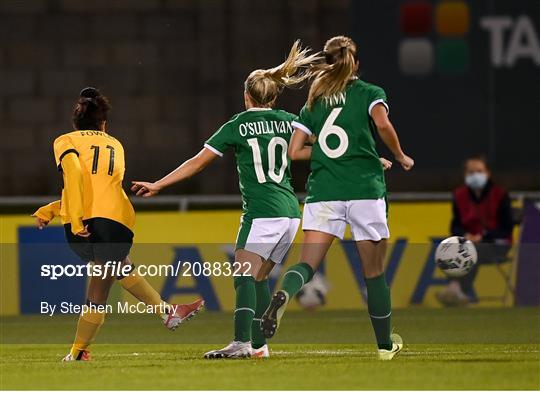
(405, 352)
(323, 352)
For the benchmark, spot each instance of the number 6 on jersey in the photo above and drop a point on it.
(329, 128)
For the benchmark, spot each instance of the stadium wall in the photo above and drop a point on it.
(166, 237)
(146, 55)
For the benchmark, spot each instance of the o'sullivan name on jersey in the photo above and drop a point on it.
(265, 127)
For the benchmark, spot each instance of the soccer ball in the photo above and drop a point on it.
(456, 256)
(313, 294)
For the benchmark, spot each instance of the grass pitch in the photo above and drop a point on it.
(444, 349)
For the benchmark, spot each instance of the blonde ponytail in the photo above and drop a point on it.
(331, 78)
(263, 86)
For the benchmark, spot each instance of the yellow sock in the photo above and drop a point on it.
(142, 290)
(87, 329)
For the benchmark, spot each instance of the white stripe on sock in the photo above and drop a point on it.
(376, 317)
(245, 309)
(257, 319)
(294, 271)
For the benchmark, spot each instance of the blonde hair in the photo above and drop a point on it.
(263, 86)
(331, 78)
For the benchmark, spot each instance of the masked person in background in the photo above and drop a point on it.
(483, 215)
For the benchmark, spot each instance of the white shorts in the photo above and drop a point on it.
(269, 238)
(367, 218)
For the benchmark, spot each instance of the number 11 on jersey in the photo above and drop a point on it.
(96, 159)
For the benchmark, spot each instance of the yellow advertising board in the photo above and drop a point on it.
(161, 238)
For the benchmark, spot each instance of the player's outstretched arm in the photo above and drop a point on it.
(188, 169)
(297, 147)
(389, 136)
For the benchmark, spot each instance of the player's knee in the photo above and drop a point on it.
(261, 276)
(373, 271)
(98, 296)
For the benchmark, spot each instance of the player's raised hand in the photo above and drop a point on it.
(41, 223)
(386, 164)
(406, 162)
(145, 189)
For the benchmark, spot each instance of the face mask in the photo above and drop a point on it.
(476, 180)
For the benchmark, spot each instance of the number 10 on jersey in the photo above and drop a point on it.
(257, 159)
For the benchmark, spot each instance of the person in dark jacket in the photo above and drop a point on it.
(482, 213)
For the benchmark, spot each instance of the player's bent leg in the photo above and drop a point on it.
(315, 247)
(137, 285)
(115, 244)
(172, 315)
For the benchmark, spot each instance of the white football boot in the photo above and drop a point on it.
(261, 352)
(397, 346)
(235, 350)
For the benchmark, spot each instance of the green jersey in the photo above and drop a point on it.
(344, 163)
(260, 138)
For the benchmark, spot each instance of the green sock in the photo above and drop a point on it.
(263, 301)
(380, 310)
(245, 307)
(296, 277)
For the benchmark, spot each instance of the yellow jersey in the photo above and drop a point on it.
(102, 168)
